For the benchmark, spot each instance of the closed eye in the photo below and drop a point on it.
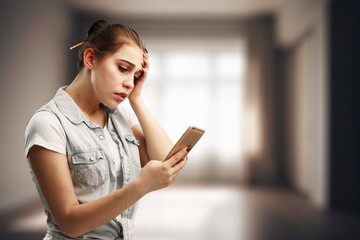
(123, 69)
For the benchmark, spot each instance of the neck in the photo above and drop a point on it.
(84, 96)
(83, 93)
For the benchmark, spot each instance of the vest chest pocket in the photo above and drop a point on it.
(90, 168)
(134, 144)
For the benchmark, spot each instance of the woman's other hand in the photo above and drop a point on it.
(139, 82)
(159, 174)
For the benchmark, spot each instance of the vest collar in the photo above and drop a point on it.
(71, 110)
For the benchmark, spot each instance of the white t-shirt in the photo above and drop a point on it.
(113, 149)
(52, 136)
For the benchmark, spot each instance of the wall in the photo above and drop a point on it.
(33, 49)
(301, 34)
(259, 104)
(345, 105)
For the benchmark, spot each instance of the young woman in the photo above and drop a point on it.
(91, 158)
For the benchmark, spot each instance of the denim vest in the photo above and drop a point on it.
(92, 166)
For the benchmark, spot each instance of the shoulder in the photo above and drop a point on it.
(128, 114)
(124, 110)
(43, 121)
(44, 129)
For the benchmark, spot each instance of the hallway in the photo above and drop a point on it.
(212, 212)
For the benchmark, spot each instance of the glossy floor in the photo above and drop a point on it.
(216, 212)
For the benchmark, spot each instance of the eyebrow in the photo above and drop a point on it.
(130, 63)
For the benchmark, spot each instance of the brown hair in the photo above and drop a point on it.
(106, 38)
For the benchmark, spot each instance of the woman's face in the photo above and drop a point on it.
(113, 76)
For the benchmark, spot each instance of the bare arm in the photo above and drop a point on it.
(53, 175)
(157, 142)
(139, 134)
(150, 133)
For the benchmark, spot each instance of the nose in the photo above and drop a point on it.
(128, 83)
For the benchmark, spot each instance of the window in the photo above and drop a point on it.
(194, 81)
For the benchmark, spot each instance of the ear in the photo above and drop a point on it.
(89, 58)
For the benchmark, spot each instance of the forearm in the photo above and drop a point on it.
(80, 219)
(157, 141)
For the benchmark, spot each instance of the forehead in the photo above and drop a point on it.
(129, 53)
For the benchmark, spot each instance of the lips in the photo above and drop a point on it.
(120, 96)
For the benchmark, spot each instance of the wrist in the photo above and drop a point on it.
(138, 187)
(135, 100)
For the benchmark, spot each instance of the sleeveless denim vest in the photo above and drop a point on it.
(92, 167)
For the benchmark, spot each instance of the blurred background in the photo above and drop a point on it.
(275, 83)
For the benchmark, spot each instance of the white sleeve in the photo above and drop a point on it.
(129, 116)
(45, 130)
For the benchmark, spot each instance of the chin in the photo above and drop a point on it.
(111, 105)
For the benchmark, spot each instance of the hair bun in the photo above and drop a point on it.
(97, 27)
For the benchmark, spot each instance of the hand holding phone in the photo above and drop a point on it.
(189, 138)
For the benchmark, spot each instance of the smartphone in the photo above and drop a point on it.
(189, 138)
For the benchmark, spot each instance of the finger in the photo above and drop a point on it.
(146, 54)
(173, 177)
(178, 166)
(176, 157)
(144, 73)
(146, 63)
(145, 69)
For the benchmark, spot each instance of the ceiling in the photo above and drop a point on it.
(179, 9)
